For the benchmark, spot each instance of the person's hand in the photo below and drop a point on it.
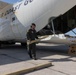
(28, 42)
(37, 41)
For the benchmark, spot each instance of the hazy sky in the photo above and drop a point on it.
(10, 1)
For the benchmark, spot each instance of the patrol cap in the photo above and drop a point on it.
(33, 24)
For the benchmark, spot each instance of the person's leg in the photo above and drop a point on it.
(34, 51)
(29, 51)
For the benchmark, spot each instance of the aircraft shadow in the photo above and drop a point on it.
(13, 54)
(17, 53)
(61, 51)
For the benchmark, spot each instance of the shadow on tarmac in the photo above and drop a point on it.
(16, 53)
(13, 54)
(61, 50)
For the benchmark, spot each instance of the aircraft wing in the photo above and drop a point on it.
(65, 22)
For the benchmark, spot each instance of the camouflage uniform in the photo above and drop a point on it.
(31, 35)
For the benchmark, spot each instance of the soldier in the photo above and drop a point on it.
(31, 35)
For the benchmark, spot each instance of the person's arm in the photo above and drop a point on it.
(36, 35)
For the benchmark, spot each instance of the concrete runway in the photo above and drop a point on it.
(63, 63)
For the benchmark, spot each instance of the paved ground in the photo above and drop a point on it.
(63, 64)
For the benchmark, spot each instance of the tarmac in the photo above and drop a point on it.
(52, 60)
(23, 67)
